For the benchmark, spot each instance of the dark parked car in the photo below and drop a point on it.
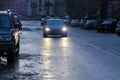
(107, 25)
(18, 24)
(66, 20)
(54, 27)
(74, 23)
(88, 23)
(9, 36)
(118, 28)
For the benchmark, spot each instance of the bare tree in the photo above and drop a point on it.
(78, 8)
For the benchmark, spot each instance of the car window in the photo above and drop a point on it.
(54, 22)
(4, 21)
(107, 22)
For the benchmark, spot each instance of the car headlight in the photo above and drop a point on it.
(64, 29)
(47, 29)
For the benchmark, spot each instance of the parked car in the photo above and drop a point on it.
(118, 28)
(18, 24)
(54, 27)
(43, 21)
(82, 22)
(107, 25)
(74, 23)
(66, 20)
(89, 23)
(9, 37)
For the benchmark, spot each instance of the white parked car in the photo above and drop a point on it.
(54, 27)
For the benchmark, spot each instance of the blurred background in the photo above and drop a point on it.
(74, 8)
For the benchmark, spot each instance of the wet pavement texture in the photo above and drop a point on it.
(83, 55)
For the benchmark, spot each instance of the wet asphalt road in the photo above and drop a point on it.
(83, 55)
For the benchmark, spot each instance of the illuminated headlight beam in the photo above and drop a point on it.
(64, 29)
(47, 29)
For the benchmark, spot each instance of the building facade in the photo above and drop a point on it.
(34, 8)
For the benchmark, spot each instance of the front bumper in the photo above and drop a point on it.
(55, 32)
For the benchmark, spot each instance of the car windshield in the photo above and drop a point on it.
(4, 22)
(54, 22)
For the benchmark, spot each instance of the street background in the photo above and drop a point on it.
(83, 55)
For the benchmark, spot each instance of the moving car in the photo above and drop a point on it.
(9, 36)
(107, 25)
(54, 27)
(118, 28)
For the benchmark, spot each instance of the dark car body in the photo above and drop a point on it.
(17, 22)
(74, 23)
(107, 26)
(9, 37)
(88, 23)
(118, 28)
(54, 27)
